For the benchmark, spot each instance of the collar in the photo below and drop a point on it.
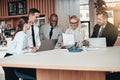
(102, 26)
(51, 27)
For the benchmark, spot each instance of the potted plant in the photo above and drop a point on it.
(100, 6)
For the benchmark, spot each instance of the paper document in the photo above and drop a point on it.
(68, 39)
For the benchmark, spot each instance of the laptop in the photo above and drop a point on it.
(97, 42)
(48, 44)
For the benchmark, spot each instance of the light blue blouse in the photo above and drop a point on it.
(18, 44)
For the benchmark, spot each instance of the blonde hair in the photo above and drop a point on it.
(76, 18)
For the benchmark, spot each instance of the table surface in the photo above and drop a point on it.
(3, 48)
(104, 59)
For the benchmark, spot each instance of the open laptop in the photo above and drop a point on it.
(97, 42)
(48, 44)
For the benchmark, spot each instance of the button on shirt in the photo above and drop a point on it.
(37, 37)
(18, 44)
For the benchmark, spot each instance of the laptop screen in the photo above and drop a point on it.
(48, 44)
(97, 42)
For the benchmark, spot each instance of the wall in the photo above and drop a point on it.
(46, 7)
(66, 8)
(116, 17)
(92, 15)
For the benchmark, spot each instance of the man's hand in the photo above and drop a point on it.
(34, 49)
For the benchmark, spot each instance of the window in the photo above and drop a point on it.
(110, 16)
(84, 17)
(113, 11)
(84, 12)
(112, 3)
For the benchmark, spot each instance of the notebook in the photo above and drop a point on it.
(48, 44)
(97, 42)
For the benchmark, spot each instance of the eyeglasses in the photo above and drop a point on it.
(74, 22)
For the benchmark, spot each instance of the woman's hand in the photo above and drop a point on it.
(32, 49)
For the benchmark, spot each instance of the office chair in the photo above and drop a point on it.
(117, 43)
(23, 76)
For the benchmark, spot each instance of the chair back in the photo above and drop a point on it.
(117, 43)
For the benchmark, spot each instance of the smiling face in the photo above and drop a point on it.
(74, 22)
(26, 26)
(23, 23)
(101, 20)
(53, 20)
(33, 17)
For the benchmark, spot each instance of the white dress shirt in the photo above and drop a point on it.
(37, 37)
(101, 30)
(101, 27)
(18, 44)
(79, 34)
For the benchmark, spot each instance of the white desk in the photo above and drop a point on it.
(3, 48)
(3, 51)
(63, 65)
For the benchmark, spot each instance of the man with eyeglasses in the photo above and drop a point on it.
(52, 30)
(76, 30)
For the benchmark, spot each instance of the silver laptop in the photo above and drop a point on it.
(97, 42)
(48, 44)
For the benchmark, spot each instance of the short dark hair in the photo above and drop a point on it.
(105, 14)
(74, 17)
(55, 15)
(33, 10)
